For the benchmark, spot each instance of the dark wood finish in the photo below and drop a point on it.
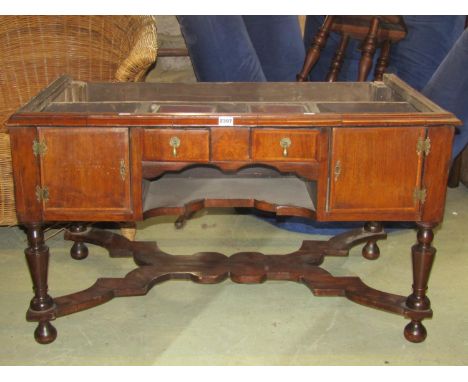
(338, 59)
(422, 258)
(373, 31)
(79, 250)
(383, 61)
(156, 266)
(37, 257)
(371, 250)
(454, 174)
(317, 45)
(173, 52)
(328, 151)
(368, 48)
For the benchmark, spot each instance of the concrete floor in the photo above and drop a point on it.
(276, 323)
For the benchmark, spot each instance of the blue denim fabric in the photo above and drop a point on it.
(429, 39)
(448, 87)
(243, 48)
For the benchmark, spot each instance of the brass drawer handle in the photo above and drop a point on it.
(175, 143)
(285, 143)
(337, 170)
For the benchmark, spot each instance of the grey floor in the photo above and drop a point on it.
(276, 323)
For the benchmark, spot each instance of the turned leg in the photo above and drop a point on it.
(383, 61)
(368, 49)
(79, 250)
(338, 59)
(313, 53)
(37, 257)
(422, 258)
(371, 250)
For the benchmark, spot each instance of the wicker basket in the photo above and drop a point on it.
(35, 50)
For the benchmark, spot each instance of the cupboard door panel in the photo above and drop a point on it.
(375, 170)
(86, 172)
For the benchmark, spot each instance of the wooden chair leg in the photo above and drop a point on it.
(368, 49)
(338, 59)
(313, 53)
(455, 170)
(383, 61)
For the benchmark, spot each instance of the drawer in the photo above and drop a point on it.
(230, 144)
(284, 145)
(184, 145)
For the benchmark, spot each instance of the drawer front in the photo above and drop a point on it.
(284, 145)
(176, 145)
(230, 144)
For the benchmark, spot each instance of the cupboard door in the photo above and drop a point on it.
(85, 172)
(375, 171)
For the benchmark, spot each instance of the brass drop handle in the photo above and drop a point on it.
(175, 143)
(285, 143)
(337, 170)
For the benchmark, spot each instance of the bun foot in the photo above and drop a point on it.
(415, 332)
(371, 251)
(45, 333)
(79, 251)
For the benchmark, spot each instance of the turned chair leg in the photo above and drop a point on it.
(368, 49)
(79, 250)
(371, 250)
(383, 61)
(37, 257)
(455, 171)
(423, 254)
(338, 59)
(313, 53)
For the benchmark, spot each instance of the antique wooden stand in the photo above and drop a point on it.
(95, 152)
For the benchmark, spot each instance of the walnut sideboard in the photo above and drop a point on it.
(122, 152)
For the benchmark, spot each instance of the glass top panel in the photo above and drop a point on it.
(230, 98)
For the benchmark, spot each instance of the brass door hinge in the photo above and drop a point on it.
(423, 146)
(39, 147)
(419, 195)
(123, 169)
(42, 194)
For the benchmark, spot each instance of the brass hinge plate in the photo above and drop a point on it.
(419, 195)
(423, 146)
(39, 147)
(42, 194)
(123, 170)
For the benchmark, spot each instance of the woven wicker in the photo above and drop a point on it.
(35, 50)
